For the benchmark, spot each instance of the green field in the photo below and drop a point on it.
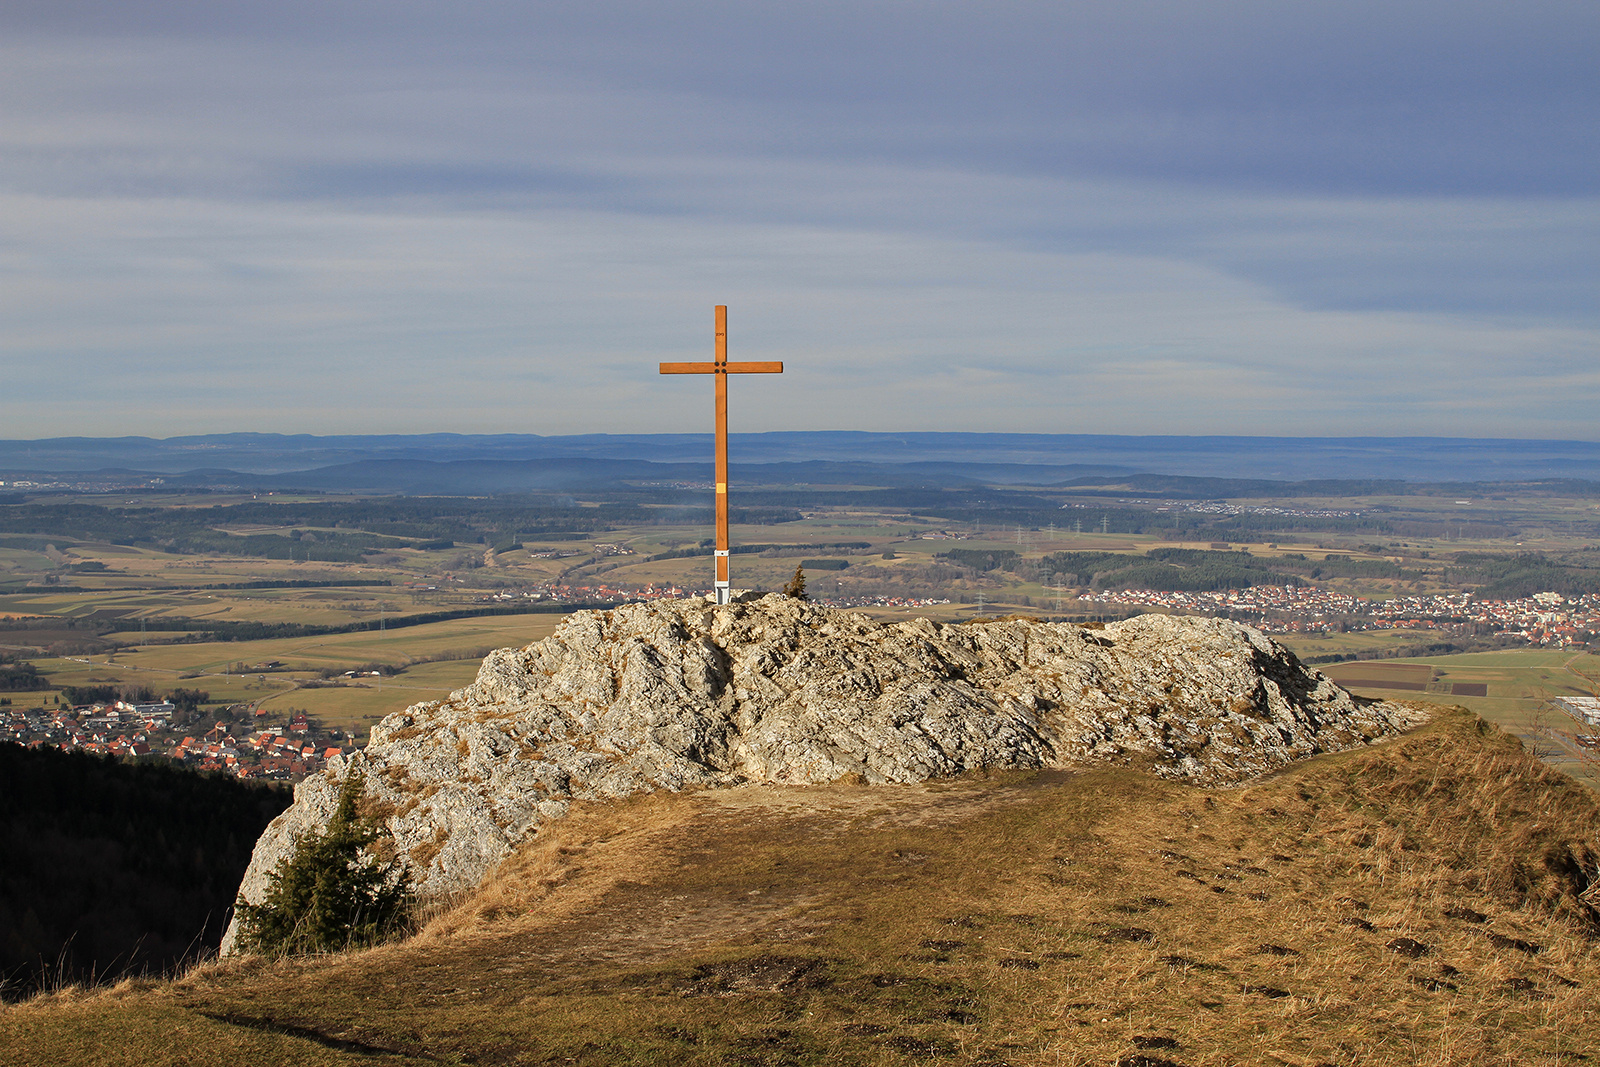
(1361, 643)
(1519, 685)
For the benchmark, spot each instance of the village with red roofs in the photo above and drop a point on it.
(132, 731)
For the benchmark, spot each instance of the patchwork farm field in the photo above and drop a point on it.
(87, 611)
(1513, 689)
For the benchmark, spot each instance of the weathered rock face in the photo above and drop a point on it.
(679, 694)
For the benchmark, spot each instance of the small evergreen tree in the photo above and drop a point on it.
(796, 586)
(331, 892)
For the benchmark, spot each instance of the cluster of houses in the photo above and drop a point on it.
(1222, 507)
(882, 601)
(1543, 618)
(266, 754)
(602, 592)
(118, 729)
(135, 730)
(1546, 619)
(608, 594)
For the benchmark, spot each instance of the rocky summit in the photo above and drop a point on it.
(686, 694)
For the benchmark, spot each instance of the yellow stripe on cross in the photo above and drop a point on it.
(719, 370)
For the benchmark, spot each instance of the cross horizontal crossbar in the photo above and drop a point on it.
(774, 367)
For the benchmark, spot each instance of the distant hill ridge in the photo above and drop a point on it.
(684, 694)
(989, 455)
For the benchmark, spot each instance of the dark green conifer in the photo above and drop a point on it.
(333, 891)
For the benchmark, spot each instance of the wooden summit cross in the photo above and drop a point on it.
(720, 370)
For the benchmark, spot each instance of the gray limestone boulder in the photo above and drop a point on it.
(686, 694)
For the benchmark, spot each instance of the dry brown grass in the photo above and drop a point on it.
(1426, 901)
(585, 854)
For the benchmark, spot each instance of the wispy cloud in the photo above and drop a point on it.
(1143, 217)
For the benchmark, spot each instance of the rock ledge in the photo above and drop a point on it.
(681, 694)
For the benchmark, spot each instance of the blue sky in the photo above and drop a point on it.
(1136, 217)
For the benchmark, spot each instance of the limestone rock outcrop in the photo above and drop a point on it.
(680, 694)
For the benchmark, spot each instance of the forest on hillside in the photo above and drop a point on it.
(115, 868)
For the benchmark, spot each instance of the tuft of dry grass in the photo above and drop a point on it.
(1424, 901)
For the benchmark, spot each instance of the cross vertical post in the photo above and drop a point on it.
(723, 583)
(719, 369)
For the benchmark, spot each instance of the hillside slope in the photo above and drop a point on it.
(1425, 900)
(109, 867)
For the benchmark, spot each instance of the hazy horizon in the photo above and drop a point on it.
(477, 463)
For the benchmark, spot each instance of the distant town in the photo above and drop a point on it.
(1545, 619)
(134, 731)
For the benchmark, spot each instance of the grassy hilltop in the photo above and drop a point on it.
(1424, 901)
